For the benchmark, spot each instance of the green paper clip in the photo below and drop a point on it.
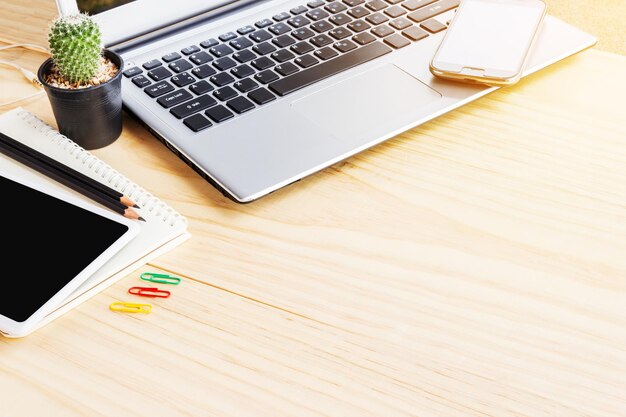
(160, 278)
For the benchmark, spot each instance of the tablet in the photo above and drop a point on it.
(51, 242)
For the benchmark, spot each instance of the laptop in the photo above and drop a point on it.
(255, 95)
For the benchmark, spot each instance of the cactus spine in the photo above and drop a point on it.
(76, 47)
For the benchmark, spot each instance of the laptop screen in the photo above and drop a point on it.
(98, 6)
(123, 20)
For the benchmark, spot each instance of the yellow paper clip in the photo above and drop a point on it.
(130, 307)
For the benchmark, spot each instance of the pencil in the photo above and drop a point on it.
(69, 181)
(44, 159)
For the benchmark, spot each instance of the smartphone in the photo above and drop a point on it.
(489, 41)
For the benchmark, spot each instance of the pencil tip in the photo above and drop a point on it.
(136, 206)
(141, 219)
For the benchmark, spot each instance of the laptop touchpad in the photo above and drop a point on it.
(368, 105)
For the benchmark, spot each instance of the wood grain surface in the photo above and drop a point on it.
(473, 266)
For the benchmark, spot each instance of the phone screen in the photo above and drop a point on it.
(492, 35)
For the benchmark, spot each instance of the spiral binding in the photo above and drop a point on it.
(116, 180)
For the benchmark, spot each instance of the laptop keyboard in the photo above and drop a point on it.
(218, 79)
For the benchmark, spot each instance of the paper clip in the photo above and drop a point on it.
(130, 307)
(160, 278)
(149, 292)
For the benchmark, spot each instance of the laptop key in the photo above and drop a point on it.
(306, 61)
(340, 33)
(283, 41)
(315, 3)
(414, 33)
(377, 18)
(225, 63)
(219, 113)
(220, 50)
(340, 19)
(433, 10)
(353, 3)
(244, 56)
(301, 47)
(241, 43)
(222, 79)
(416, 4)
(376, 5)
(159, 73)
(364, 38)
(209, 43)
(263, 23)
(263, 48)
(245, 85)
(242, 71)
(286, 68)
(245, 30)
(397, 41)
(190, 50)
(240, 104)
(266, 76)
(358, 12)
(321, 26)
(282, 55)
(358, 26)
(132, 72)
(326, 53)
(200, 58)
(260, 35)
(400, 23)
(172, 56)
(180, 65)
(262, 63)
(261, 96)
(158, 89)
(194, 106)
(335, 7)
(279, 28)
(152, 64)
(203, 71)
(298, 10)
(200, 87)
(321, 40)
(433, 26)
(227, 36)
(197, 122)
(302, 33)
(141, 81)
(395, 11)
(172, 99)
(225, 93)
(382, 31)
(182, 79)
(317, 14)
(281, 16)
(345, 45)
(329, 68)
(298, 21)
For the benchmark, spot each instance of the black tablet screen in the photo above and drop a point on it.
(45, 242)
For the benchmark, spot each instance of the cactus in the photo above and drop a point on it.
(76, 47)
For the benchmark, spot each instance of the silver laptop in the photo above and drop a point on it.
(257, 94)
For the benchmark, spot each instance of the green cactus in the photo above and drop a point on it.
(76, 46)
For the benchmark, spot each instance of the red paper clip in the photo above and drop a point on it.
(149, 292)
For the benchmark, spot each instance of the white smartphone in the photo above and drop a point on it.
(489, 41)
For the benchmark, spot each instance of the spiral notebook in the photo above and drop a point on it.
(164, 227)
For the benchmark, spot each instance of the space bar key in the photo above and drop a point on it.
(326, 69)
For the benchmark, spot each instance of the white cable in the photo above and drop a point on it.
(29, 75)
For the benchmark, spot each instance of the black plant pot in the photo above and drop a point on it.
(92, 116)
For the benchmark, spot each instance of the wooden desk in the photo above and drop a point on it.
(472, 266)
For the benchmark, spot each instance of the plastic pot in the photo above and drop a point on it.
(92, 116)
